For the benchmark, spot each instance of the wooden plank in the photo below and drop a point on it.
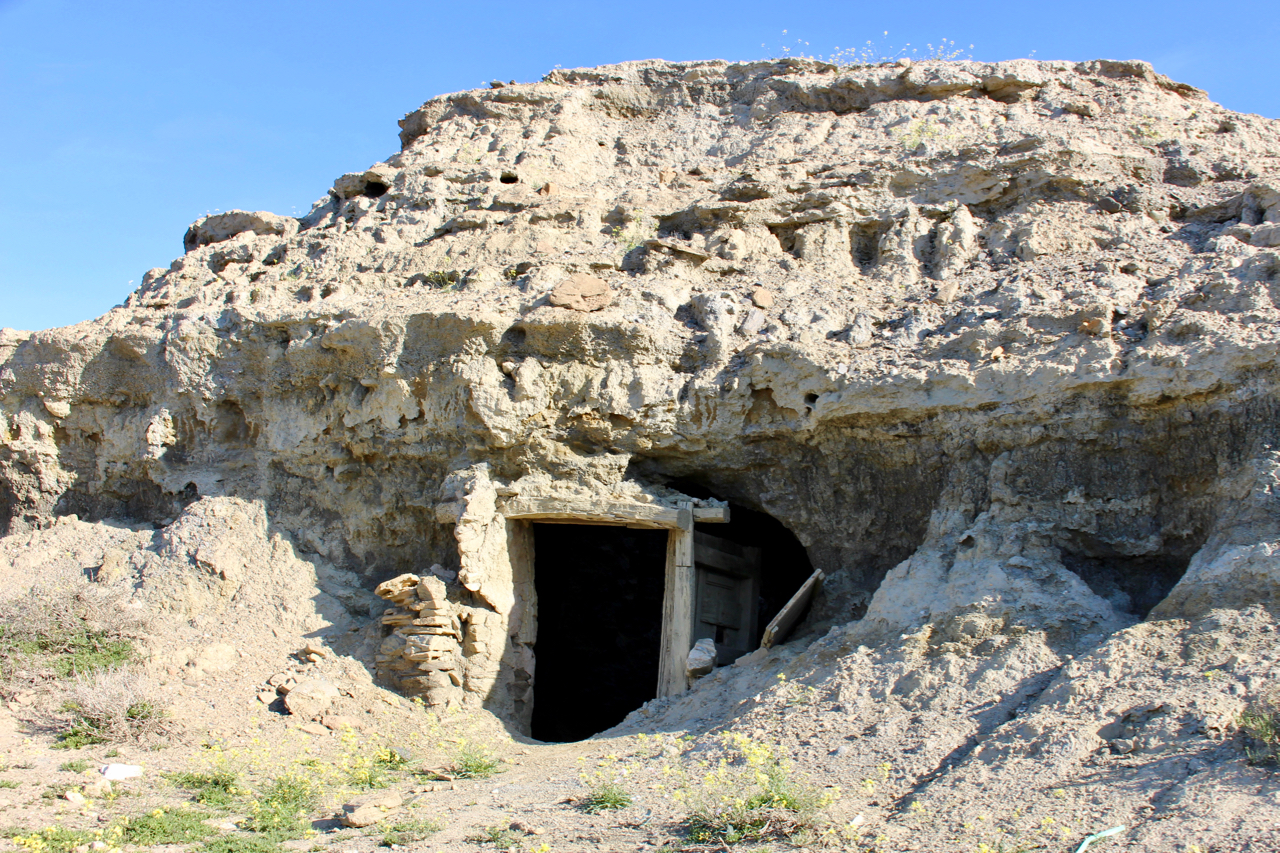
(706, 540)
(711, 514)
(677, 611)
(582, 511)
(718, 600)
(728, 587)
(750, 602)
(780, 628)
(603, 512)
(684, 547)
(721, 562)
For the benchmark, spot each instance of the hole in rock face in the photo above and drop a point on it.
(1133, 585)
(864, 243)
(190, 492)
(783, 566)
(6, 508)
(786, 236)
(509, 178)
(375, 189)
(599, 636)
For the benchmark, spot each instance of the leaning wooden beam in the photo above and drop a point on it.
(790, 614)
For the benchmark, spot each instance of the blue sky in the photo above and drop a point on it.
(120, 123)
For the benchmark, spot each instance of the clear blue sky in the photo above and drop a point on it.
(120, 123)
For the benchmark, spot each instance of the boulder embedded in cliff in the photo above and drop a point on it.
(581, 292)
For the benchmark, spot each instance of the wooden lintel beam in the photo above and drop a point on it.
(585, 510)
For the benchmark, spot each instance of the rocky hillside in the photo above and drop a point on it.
(995, 342)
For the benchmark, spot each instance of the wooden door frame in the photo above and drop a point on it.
(680, 577)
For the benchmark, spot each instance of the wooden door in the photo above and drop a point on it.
(727, 595)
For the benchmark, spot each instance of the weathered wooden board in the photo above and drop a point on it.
(583, 511)
(706, 541)
(780, 628)
(677, 611)
(728, 588)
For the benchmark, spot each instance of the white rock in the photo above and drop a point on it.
(702, 658)
(116, 772)
(310, 698)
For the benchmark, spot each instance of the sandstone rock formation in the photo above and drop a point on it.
(996, 342)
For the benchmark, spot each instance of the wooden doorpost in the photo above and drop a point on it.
(677, 605)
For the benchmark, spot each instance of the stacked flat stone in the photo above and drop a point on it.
(422, 653)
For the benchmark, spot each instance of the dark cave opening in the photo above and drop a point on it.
(599, 639)
(784, 566)
(1133, 585)
(784, 562)
(6, 508)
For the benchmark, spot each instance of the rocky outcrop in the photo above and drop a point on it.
(992, 339)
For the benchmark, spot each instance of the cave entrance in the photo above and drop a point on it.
(622, 591)
(600, 591)
(748, 569)
(1133, 585)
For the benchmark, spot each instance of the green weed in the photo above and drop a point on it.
(92, 653)
(176, 826)
(92, 726)
(474, 761)
(53, 839)
(635, 231)
(241, 844)
(605, 788)
(408, 831)
(8, 783)
(927, 131)
(373, 771)
(442, 278)
(749, 795)
(609, 795)
(79, 736)
(361, 768)
(75, 765)
(1260, 724)
(282, 807)
(500, 836)
(57, 791)
(795, 692)
(72, 631)
(217, 788)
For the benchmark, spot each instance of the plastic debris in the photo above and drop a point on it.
(115, 772)
(1106, 833)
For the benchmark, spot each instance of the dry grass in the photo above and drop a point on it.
(114, 706)
(60, 608)
(65, 628)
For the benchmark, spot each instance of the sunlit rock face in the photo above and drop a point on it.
(994, 338)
